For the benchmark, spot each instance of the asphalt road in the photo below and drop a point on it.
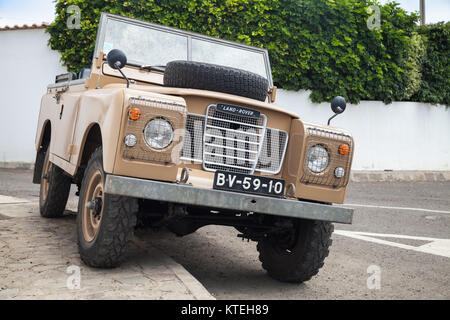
(389, 252)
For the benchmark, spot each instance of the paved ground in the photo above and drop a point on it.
(229, 268)
(39, 257)
(389, 252)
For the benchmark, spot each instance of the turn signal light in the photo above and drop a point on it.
(344, 149)
(134, 114)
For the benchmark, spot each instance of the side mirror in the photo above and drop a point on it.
(117, 60)
(338, 106)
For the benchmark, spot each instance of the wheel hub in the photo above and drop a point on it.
(93, 207)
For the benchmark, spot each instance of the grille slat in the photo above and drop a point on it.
(237, 132)
(231, 148)
(240, 123)
(263, 150)
(225, 138)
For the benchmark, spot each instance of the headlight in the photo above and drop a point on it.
(158, 133)
(317, 158)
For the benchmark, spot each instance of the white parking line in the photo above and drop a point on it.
(395, 208)
(10, 200)
(439, 247)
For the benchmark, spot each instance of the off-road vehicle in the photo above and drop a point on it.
(179, 130)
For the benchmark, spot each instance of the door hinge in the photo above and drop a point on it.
(58, 94)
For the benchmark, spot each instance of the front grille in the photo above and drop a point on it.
(233, 143)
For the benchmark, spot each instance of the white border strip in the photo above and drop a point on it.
(395, 208)
(439, 247)
(11, 200)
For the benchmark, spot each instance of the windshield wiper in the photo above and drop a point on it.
(153, 68)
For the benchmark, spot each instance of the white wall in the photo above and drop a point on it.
(398, 136)
(28, 65)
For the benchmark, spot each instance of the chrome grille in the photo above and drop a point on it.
(270, 157)
(232, 142)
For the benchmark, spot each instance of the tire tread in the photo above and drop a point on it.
(315, 250)
(117, 229)
(58, 192)
(205, 76)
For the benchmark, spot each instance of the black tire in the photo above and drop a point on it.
(205, 76)
(116, 226)
(304, 257)
(54, 189)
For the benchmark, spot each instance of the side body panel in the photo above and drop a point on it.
(104, 108)
(65, 124)
(82, 109)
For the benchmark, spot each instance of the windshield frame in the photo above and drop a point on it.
(101, 32)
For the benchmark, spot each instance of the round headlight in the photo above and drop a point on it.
(158, 133)
(317, 158)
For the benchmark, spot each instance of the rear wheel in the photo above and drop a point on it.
(296, 256)
(54, 189)
(105, 223)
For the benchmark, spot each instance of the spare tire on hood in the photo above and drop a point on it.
(205, 76)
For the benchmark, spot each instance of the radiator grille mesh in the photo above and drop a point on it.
(270, 158)
(232, 142)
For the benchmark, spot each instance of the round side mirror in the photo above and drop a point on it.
(338, 104)
(116, 59)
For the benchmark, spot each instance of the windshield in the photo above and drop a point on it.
(155, 45)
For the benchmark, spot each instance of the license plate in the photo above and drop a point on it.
(248, 183)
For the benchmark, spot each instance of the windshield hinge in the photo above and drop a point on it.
(272, 94)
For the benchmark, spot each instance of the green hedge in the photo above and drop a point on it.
(321, 45)
(435, 64)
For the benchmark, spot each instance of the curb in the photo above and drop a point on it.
(194, 286)
(16, 165)
(399, 176)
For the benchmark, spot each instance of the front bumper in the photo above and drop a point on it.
(217, 199)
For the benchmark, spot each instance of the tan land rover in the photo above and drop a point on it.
(179, 130)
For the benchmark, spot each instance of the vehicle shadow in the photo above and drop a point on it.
(227, 266)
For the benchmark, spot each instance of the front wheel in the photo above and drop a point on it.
(105, 223)
(298, 254)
